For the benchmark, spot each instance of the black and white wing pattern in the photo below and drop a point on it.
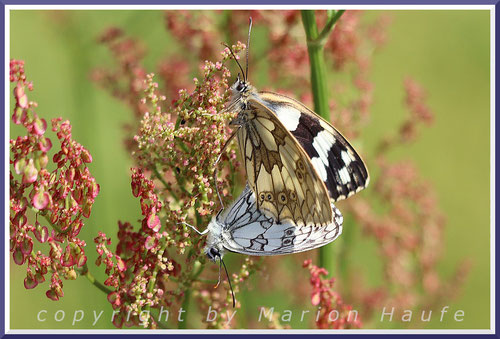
(335, 160)
(244, 229)
(278, 169)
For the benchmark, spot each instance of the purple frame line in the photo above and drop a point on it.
(217, 2)
(2, 175)
(251, 2)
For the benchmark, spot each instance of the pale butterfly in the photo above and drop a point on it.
(243, 228)
(295, 160)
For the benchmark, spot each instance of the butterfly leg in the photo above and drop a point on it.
(194, 228)
(220, 269)
(217, 161)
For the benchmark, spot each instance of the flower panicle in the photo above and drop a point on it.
(176, 152)
(47, 206)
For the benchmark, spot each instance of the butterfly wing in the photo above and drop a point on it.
(248, 231)
(335, 160)
(280, 173)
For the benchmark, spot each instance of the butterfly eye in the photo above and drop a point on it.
(262, 196)
(241, 86)
(212, 253)
(293, 196)
(269, 197)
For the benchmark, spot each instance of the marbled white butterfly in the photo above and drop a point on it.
(244, 229)
(294, 160)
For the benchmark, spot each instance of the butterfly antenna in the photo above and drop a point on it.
(234, 57)
(229, 281)
(248, 46)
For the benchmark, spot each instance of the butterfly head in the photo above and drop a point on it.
(240, 89)
(213, 253)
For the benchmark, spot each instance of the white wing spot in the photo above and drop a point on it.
(289, 116)
(322, 143)
(319, 167)
(346, 158)
(344, 175)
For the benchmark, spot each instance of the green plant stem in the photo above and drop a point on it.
(317, 65)
(92, 279)
(315, 47)
(160, 177)
(152, 281)
(197, 269)
(333, 17)
(165, 184)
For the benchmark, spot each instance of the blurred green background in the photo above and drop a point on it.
(448, 52)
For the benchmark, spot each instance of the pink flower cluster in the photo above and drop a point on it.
(333, 312)
(175, 148)
(63, 196)
(139, 270)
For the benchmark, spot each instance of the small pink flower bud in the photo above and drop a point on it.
(315, 298)
(86, 157)
(82, 260)
(30, 173)
(151, 242)
(27, 246)
(41, 233)
(19, 115)
(153, 222)
(18, 256)
(43, 159)
(136, 189)
(52, 295)
(87, 208)
(21, 97)
(77, 194)
(94, 189)
(120, 264)
(30, 282)
(70, 174)
(45, 144)
(40, 200)
(39, 278)
(39, 126)
(20, 165)
(67, 259)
